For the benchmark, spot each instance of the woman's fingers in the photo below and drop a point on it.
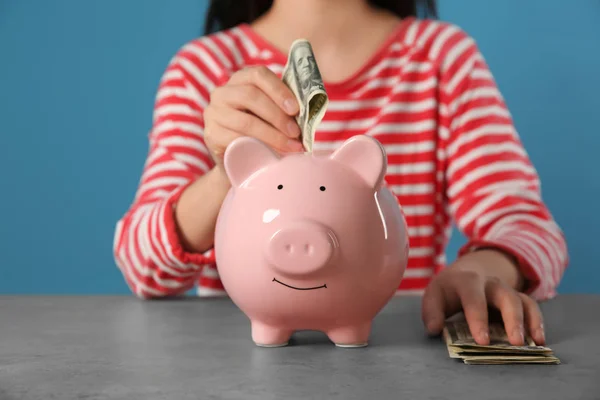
(533, 319)
(510, 305)
(255, 102)
(477, 296)
(433, 309)
(250, 125)
(251, 98)
(270, 84)
(471, 291)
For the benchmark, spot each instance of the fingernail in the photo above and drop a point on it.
(540, 334)
(293, 129)
(290, 105)
(518, 332)
(484, 335)
(295, 145)
(431, 326)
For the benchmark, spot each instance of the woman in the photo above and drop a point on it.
(419, 86)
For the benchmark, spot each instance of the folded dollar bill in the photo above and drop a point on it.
(301, 74)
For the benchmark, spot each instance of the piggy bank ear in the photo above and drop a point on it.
(365, 156)
(244, 156)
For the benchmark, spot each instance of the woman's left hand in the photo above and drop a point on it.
(476, 281)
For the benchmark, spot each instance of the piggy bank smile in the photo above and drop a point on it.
(323, 286)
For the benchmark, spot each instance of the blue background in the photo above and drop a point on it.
(77, 84)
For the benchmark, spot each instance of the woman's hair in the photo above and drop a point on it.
(225, 14)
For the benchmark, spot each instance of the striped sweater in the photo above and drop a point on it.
(426, 94)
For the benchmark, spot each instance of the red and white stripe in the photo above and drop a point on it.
(427, 95)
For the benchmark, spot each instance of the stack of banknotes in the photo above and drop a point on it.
(461, 345)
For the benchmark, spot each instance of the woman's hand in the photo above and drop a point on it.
(476, 281)
(254, 102)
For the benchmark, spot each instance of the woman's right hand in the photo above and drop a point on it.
(254, 102)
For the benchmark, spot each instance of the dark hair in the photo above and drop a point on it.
(225, 14)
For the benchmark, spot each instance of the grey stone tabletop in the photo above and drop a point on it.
(60, 347)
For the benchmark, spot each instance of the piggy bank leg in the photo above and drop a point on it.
(269, 336)
(351, 336)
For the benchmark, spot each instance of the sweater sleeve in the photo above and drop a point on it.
(147, 247)
(492, 188)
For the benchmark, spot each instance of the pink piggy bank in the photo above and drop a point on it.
(310, 242)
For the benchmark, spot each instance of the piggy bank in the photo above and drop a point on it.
(309, 241)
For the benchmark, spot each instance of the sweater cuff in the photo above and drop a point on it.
(518, 248)
(191, 259)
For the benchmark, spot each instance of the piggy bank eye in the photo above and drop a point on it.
(280, 187)
(322, 188)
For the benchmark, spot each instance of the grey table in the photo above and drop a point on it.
(124, 348)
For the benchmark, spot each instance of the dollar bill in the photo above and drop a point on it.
(503, 361)
(461, 345)
(301, 74)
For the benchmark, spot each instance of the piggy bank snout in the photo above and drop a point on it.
(301, 248)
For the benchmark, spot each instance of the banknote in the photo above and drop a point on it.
(301, 74)
(508, 360)
(461, 345)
